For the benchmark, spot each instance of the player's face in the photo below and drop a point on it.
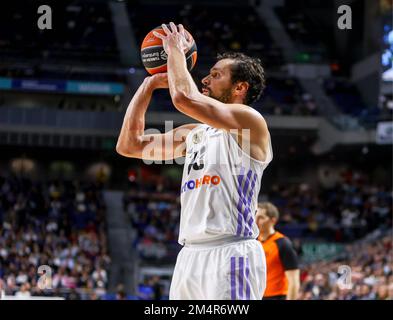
(217, 84)
(262, 220)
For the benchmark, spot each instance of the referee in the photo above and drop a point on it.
(281, 259)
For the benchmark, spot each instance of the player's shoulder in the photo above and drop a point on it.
(248, 109)
(258, 116)
(252, 115)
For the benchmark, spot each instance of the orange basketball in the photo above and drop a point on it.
(154, 57)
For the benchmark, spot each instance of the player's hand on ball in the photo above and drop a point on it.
(159, 81)
(174, 38)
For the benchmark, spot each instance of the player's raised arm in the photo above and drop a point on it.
(225, 107)
(132, 141)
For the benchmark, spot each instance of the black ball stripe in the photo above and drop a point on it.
(155, 56)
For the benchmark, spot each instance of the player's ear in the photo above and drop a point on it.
(241, 87)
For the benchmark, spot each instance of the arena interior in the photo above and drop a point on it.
(107, 226)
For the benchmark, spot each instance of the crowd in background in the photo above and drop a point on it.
(341, 209)
(154, 212)
(59, 224)
(369, 276)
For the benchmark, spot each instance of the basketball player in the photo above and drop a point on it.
(221, 258)
(281, 259)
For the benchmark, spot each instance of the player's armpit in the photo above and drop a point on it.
(167, 146)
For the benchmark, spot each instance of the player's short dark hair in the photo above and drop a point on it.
(247, 69)
(271, 209)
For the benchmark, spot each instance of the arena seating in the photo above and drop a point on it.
(371, 274)
(56, 223)
(343, 212)
(155, 215)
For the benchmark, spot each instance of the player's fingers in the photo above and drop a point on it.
(181, 30)
(189, 39)
(166, 29)
(159, 35)
(173, 27)
(184, 33)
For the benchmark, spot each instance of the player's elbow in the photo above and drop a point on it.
(181, 100)
(126, 151)
(121, 150)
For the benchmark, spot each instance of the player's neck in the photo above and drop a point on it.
(237, 100)
(268, 233)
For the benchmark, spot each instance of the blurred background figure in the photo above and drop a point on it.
(283, 275)
(121, 293)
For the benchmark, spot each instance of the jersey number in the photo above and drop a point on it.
(194, 163)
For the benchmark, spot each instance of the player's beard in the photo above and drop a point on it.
(224, 97)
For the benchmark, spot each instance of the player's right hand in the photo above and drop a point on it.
(159, 81)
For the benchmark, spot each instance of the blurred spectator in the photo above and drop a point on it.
(146, 290)
(157, 289)
(23, 292)
(120, 292)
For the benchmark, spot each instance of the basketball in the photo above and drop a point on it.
(154, 57)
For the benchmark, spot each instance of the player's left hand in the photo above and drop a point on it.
(159, 81)
(174, 38)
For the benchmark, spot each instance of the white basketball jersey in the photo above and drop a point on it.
(220, 187)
